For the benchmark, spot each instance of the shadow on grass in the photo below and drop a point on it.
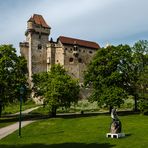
(62, 145)
(38, 116)
(25, 117)
(125, 113)
(128, 135)
(79, 115)
(90, 114)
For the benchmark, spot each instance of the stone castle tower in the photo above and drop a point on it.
(34, 49)
(41, 54)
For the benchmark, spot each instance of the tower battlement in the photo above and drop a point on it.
(37, 24)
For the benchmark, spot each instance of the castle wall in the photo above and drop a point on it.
(39, 54)
(75, 61)
(24, 50)
(59, 55)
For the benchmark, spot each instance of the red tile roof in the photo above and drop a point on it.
(39, 20)
(72, 41)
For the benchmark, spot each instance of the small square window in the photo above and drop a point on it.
(39, 46)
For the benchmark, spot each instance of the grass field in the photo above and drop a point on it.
(80, 132)
(15, 107)
(11, 109)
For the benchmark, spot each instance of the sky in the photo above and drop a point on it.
(103, 21)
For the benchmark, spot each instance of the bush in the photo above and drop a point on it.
(143, 105)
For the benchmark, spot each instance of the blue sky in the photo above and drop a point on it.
(103, 21)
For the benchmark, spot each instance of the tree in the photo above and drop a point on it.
(56, 87)
(137, 70)
(106, 74)
(142, 90)
(140, 56)
(12, 74)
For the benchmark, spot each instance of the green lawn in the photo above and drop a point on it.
(11, 109)
(15, 107)
(80, 132)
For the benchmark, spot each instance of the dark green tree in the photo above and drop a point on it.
(139, 82)
(142, 90)
(12, 75)
(56, 87)
(106, 74)
(136, 70)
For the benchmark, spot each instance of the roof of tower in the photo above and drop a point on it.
(39, 20)
(72, 41)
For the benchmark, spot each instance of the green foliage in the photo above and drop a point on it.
(117, 71)
(106, 74)
(56, 87)
(12, 74)
(85, 105)
(142, 90)
(128, 103)
(139, 80)
(15, 107)
(143, 105)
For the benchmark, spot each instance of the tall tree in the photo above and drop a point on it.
(12, 74)
(56, 87)
(142, 90)
(106, 75)
(139, 67)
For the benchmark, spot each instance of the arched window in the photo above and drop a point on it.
(70, 59)
(90, 52)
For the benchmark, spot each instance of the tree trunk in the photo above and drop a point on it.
(110, 109)
(53, 111)
(1, 107)
(0, 110)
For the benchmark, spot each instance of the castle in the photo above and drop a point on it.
(41, 54)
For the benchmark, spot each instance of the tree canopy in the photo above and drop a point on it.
(107, 75)
(118, 71)
(56, 87)
(140, 73)
(12, 74)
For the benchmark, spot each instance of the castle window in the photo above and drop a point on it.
(39, 36)
(76, 54)
(90, 52)
(80, 60)
(75, 48)
(39, 46)
(84, 50)
(70, 59)
(65, 48)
